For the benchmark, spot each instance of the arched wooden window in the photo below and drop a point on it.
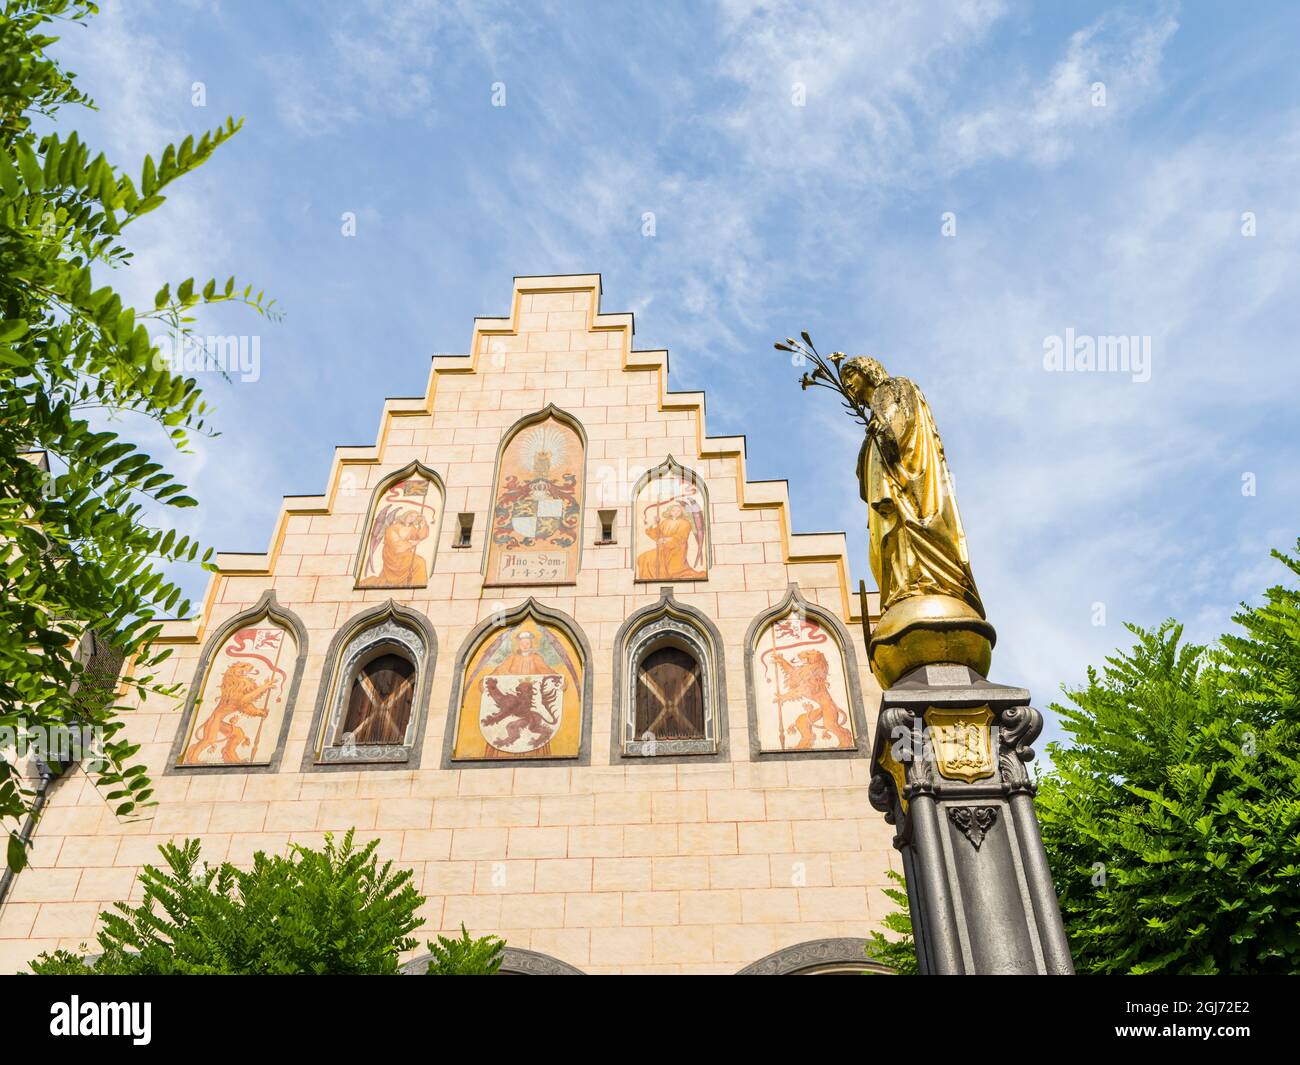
(379, 705)
(669, 696)
(373, 707)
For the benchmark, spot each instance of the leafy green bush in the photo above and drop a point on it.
(466, 956)
(898, 951)
(88, 541)
(1172, 820)
(335, 911)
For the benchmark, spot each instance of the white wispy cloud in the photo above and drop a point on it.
(872, 80)
(1109, 70)
(382, 60)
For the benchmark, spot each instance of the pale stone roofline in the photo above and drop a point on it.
(822, 547)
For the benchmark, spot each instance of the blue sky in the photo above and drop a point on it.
(1120, 219)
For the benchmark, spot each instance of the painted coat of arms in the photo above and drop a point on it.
(541, 507)
(523, 697)
(519, 714)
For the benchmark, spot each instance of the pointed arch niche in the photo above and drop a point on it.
(237, 713)
(522, 692)
(535, 528)
(374, 697)
(801, 682)
(400, 539)
(670, 525)
(670, 698)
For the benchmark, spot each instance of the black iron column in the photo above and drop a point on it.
(949, 772)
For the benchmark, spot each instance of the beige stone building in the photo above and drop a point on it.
(548, 645)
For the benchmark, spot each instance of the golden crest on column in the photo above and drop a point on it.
(962, 742)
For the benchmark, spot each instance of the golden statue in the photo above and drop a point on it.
(930, 609)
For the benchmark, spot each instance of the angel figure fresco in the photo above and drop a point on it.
(521, 683)
(676, 526)
(221, 736)
(395, 552)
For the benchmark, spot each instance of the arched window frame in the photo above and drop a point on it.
(266, 608)
(669, 623)
(411, 469)
(795, 602)
(386, 629)
(540, 614)
(670, 467)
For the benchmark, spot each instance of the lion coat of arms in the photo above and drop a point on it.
(521, 713)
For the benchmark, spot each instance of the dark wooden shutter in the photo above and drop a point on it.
(670, 696)
(379, 706)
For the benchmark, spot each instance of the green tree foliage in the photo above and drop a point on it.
(899, 950)
(335, 911)
(76, 553)
(1172, 820)
(466, 956)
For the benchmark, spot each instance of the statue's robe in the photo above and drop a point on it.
(918, 545)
